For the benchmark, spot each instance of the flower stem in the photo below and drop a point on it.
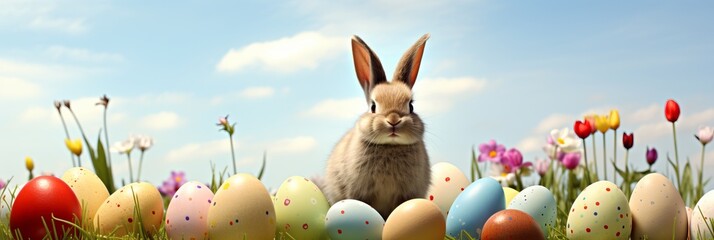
(141, 162)
(595, 157)
(626, 179)
(587, 166)
(233, 155)
(571, 190)
(700, 189)
(79, 160)
(66, 133)
(131, 173)
(676, 157)
(604, 158)
(614, 154)
(518, 180)
(106, 138)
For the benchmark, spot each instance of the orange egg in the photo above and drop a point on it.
(511, 224)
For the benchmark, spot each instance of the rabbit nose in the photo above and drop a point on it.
(393, 123)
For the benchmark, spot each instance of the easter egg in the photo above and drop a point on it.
(509, 194)
(447, 182)
(7, 197)
(702, 214)
(241, 208)
(538, 202)
(657, 209)
(415, 219)
(511, 224)
(88, 188)
(474, 206)
(187, 214)
(42, 198)
(689, 222)
(117, 213)
(353, 219)
(300, 209)
(599, 212)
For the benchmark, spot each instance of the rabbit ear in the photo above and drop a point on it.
(408, 66)
(367, 66)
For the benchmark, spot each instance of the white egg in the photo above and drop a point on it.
(447, 182)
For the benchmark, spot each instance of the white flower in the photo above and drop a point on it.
(124, 146)
(143, 142)
(499, 173)
(705, 135)
(566, 140)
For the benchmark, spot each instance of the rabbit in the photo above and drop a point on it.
(382, 161)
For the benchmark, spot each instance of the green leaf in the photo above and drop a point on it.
(100, 166)
(262, 168)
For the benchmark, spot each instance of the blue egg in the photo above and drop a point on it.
(474, 206)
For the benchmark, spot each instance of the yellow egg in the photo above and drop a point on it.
(117, 214)
(300, 209)
(658, 210)
(509, 193)
(242, 209)
(88, 188)
(415, 219)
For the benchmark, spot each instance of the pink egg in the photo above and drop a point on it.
(187, 214)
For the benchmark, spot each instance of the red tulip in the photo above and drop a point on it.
(628, 140)
(582, 129)
(671, 110)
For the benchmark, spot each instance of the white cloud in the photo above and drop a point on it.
(531, 144)
(440, 94)
(161, 121)
(553, 121)
(349, 108)
(646, 114)
(201, 151)
(40, 71)
(62, 52)
(14, 88)
(294, 145)
(304, 50)
(67, 25)
(257, 92)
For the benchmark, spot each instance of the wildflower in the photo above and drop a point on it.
(491, 151)
(124, 147)
(173, 183)
(512, 160)
(143, 143)
(705, 135)
(541, 166)
(565, 140)
(104, 101)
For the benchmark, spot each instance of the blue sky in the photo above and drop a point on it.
(503, 70)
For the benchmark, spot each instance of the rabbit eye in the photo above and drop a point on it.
(374, 107)
(411, 106)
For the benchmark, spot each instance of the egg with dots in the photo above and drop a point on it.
(538, 202)
(241, 209)
(509, 194)
(474, 206)
(511, 224)
(353, 219)
(447, 182)
(7, 197)
(415, 219)
(702, 217)
(41, 199)
(187, 214)
(120, 215)
(88, 188)
(599, 212)
(300, 209)
(657, 209)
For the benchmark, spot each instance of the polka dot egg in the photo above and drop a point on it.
(353, 219)
(300, 209)
(241, 209)
(447, 182)
(601, 211)
(117, 214)
(538, 202)
(187, 214)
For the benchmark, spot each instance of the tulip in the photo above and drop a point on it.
(705, 135)
(651, 156)
(602, 123)
(541, 166)
(590, 119)
(614, 120)
(30, 165)
(74, 146)
(628, 140)
(582, 129)
(671, 111)
(571, 160)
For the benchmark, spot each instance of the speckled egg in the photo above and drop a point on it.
(241, 208)
(415, 219)
(88, 188)
(705, 207)
(511, 224)
(353, 219)
(600, 212)
(538, 202)
(474, 206)
(118, 210)
(187, 214)
(657, 209)
(300, 209)
(6, 201)
(689, 222)
(509, 194)
(447, 182)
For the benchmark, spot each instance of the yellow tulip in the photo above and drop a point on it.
(74, 146)
(29, 164)
(602, 123)
(614, 119)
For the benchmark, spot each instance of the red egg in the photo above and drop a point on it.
(511, 224)
(42, 198)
